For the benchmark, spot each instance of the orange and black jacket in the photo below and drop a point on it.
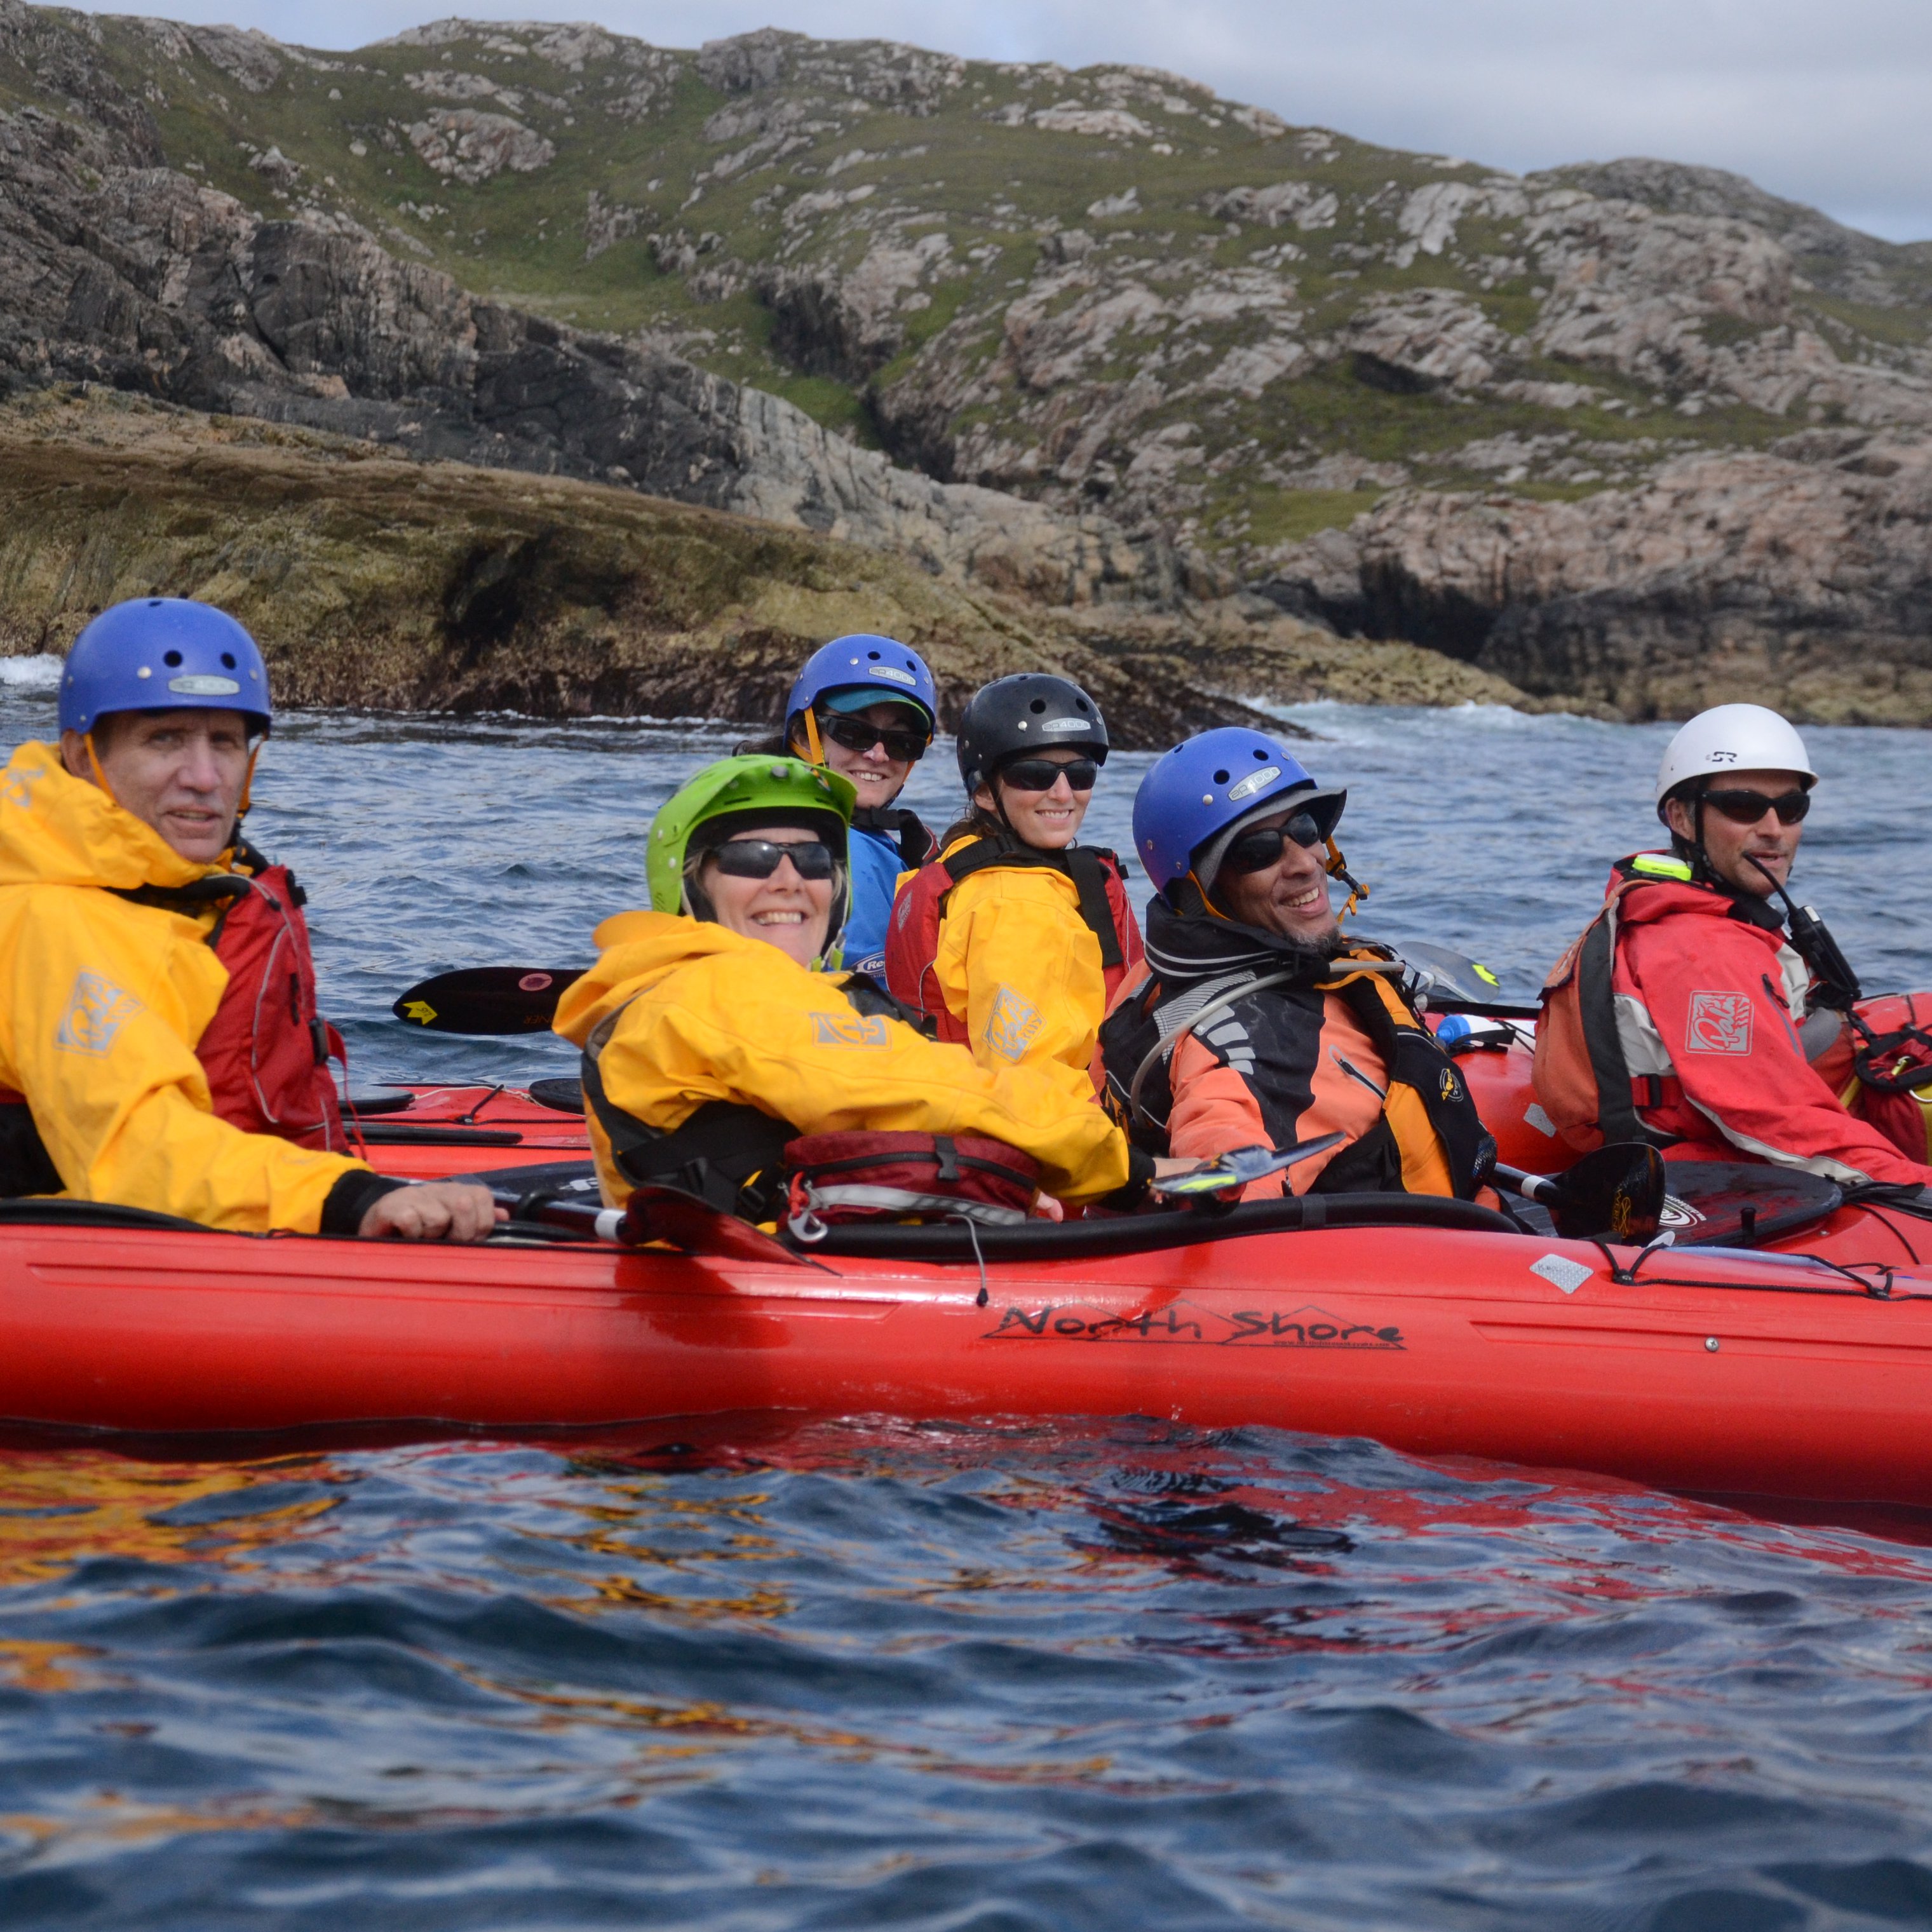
(1239, 1038)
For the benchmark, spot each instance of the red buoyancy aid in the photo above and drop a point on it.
(1722, 1043)
(266, 1052)
(912, 943)
(1581, 1075)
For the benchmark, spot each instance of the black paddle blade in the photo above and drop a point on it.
(1616, 1193)
(487, 999)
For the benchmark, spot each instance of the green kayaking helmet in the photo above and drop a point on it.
(740, 794)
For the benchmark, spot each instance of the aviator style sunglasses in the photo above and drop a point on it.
(1043, 774)
(906, 747)
(758, 858)
(1747, 807)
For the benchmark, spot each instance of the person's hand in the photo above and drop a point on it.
(433, 1211)
(1166, 1166)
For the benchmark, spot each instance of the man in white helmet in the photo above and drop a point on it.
(1684, 1015)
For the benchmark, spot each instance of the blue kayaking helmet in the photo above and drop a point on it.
(859, 671)
(163, 654)
(1196, 800)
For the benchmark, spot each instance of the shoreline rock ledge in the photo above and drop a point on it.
(1801, 575)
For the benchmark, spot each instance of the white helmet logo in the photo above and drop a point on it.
(199, 684)
(1066, 724)
(1253, 782)
(896, 676)
(1720, 758)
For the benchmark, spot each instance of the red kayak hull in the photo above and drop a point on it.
(1761, 1375)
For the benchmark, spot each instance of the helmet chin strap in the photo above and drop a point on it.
(248, 782)
(94, 764)
(1207, 897)
(697, 901)
(992, 783)
(814, 746)
(1337, 868)
(1702, 865)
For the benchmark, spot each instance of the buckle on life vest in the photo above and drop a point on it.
(1650, 1091)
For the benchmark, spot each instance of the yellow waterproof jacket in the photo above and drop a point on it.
(102, 1004)
(1020, 970)
(709, 1015)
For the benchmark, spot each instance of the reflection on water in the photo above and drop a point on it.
(793, 1672)
(781, 1672)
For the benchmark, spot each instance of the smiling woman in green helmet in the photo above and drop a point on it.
(713, 1033)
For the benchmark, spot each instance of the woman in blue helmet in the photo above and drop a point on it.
(1254, 1020)
(864, 707)
(159, 1044)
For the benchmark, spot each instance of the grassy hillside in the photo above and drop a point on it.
(886, 236)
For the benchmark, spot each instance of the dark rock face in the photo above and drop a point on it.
(1802, 575)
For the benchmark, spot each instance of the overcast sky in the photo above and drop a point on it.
(1826, 101)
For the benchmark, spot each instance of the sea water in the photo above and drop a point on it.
(762, 1672)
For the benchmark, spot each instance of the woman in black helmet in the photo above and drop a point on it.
(1015, 938)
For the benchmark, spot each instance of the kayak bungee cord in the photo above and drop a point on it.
(1883, 1289)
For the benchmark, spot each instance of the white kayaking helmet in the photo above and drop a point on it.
(1732, 738)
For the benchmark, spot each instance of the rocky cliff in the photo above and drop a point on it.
(1631, 433)
(115, 269)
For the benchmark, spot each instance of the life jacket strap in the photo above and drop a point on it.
(221, 891)
(1086, 867)
(1175, 1019)
(915, 842)
(26, 1166)
(728, 1153)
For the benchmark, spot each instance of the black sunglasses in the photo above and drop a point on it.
(855, 735)
(1747, 807)
(1258, 848)
(759, 858)
(1043, 774)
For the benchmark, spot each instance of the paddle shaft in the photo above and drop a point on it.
(1531, 1186)
(577, 1217)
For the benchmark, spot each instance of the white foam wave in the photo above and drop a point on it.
(41, 673)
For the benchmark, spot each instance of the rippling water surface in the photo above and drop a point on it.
(761, 1672)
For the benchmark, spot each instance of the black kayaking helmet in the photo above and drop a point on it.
(1016, 717)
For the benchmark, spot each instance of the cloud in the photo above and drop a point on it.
(1825, 104)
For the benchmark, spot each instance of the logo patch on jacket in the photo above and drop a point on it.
(19, 789)
(1013, 1024)
(97, 1009)
(1719, 1023)
(850, 1030)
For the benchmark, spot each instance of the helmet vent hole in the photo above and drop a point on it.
(171, 659)
(1081, 704)
(1220, 778)
(874, 655)
(1261, 756)
(228, 660)
(1038, 704)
